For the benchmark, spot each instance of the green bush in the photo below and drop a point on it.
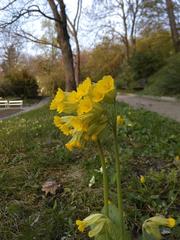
(19, 84)
(167, 80)
(145, 64)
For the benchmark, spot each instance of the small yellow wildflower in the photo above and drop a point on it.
(60, 107)
(57, 99)
(151, 225)
(84, 106)
(57, 121)
(177, 158)
(120, 120)
(73, 97)
(77, 124)
(97, 94)
(84, 87)
(171, 222)
(95, 221)
(107, 84)
(81, 225)
(142, 179)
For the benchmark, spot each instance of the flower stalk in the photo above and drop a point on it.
(118, 172)
(105, 178)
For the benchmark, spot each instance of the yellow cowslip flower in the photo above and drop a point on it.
(84, 87)
(57, 121)
(60, 107)
(95, 221)
(81, 225)
(97, 94)
(65, 130)
(151, 225)
(142, 179)
(63, 127)
(77, 124)
(57, 99)
(85, 106)
(120, 120)
(171, 222)
(73, 97)
(72, 144)
(106, 84)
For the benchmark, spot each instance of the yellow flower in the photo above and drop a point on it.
(57, 99)
(84, 87)
(151, 225)
(177, 158)
(107, 84)
(142, 179)
(84, 106)
(120, 120)
(95, 221)
(77, 124)
(73, 97)
(171, 222)
(81, 225)
(97, 94)
(72, 144)
(57, 121)
(60, 107)
(61, 125)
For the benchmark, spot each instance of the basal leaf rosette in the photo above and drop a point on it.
(82, 113)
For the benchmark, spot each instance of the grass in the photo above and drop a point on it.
(32, 151)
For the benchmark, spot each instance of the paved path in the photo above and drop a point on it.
(26, 109)
(169, 107)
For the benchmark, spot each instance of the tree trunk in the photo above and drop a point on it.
(173, 27)
(77, 62)
(63, 40)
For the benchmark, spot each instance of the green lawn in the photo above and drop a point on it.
(32, 151)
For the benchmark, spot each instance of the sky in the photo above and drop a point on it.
(86, 37)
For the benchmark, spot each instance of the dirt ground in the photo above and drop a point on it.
(168, 108)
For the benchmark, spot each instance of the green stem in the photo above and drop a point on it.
(105, 178)
(118, 173)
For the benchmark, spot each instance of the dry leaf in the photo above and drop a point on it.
(50, 186)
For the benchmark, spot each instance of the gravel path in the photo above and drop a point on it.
(169, 107)
(6, 114)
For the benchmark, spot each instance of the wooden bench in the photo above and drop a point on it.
(3, 104)
(15, 103)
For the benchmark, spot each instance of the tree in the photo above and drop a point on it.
(57, 15)
(173, 26)
(121, 18)
(73, 27)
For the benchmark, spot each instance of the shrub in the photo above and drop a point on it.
(167, 80)
(20, 84)
(145, 64)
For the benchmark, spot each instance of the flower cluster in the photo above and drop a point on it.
(151, 226)
(82, 112)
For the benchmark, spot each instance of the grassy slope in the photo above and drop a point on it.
(32, 151)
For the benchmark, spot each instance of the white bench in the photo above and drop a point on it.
(15, 103)
(3, 104)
